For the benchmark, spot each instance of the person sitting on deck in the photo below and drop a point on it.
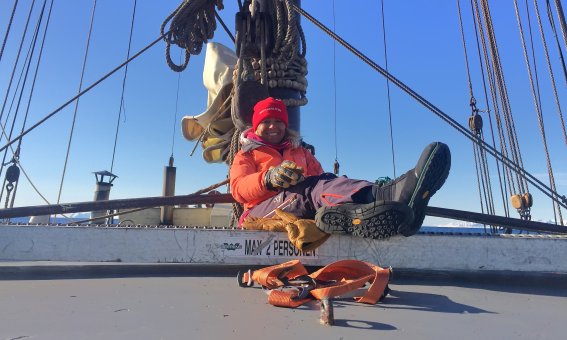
(273, 171)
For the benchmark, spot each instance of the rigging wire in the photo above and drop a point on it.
(225, 27)
(388, 90)
(482, 172)
(561, 17)
(77, 103)
(17, 60)
(499, 91)
(536, 73)
(176, 110)
(24, 76)
(121, 108)
(550, 69)
(17, 88)
(18, 148)
(16, 156)
(551, 77)
(537, 100)
(445, 117)
(8, 29)
(479, 34)
(554, 30)
(336, 164)
(90, 87)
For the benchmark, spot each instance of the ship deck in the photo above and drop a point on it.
(56, 300)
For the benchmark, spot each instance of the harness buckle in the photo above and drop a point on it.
(240, 278)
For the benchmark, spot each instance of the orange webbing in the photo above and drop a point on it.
(347, 275)
(284, 299)
(350, 275)
(269, 276)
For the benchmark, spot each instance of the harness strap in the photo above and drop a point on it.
(349, 275)
(281, 298)
(333, 280)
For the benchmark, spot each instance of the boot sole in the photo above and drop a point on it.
(376, 220)
(430, 180)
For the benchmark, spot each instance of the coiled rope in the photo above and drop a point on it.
(192, 25)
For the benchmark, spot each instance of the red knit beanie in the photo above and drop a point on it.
(269, 108)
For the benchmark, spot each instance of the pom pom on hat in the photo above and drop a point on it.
(269, 108)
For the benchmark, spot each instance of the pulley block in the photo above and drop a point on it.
(523, 201)
(475, 123)
(12, 173)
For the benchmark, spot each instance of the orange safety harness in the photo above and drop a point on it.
(290, 285)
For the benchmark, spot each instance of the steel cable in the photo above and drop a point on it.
(388, 90)
(17, 157)
(500, 83)
(554, 30)
(540, 117)
(477, 158)
(76, 104)
(8, 29)
(562, 24)
(24, 77)
(537, 103)
(478, 27)
(17, 59)
(121, 107)
(90, 87)
(550, 69)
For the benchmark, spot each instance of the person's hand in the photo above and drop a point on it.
(283, 176)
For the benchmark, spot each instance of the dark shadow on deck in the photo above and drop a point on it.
(427, 302)
(549, 284)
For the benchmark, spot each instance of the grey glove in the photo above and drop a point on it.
(283, 176)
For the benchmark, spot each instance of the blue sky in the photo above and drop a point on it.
(424, 51)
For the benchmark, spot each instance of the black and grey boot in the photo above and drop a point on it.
(377, 220)
(396, 207)
(416, 186)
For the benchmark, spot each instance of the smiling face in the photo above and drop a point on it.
(271, 130)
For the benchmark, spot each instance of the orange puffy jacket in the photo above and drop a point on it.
(249, 168)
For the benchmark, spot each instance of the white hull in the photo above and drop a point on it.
(450, 252)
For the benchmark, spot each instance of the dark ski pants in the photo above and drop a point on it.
(306, 197)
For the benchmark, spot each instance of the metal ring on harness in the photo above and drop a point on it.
(240, 277)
